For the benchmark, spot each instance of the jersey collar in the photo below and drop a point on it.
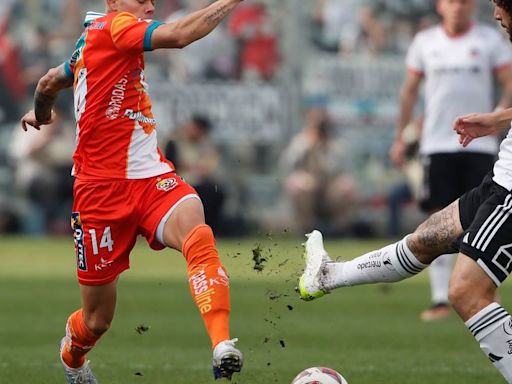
(91, 16)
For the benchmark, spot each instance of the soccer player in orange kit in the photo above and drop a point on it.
(124, 186)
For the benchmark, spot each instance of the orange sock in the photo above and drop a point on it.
(79, 340)
(209, 283)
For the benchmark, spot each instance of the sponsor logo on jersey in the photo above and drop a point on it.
(472, 69)
(78, 236)
(117, 98)
(139, 116)
(103, 264)
(77, 53)
(474, 52)
(98, 26)
(166, 185)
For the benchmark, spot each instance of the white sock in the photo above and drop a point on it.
(392, 263)
(492, 328)
(440, 272)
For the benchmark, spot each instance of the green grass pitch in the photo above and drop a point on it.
(370, 334)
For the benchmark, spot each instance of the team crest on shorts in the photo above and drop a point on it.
(78, 236)
(166, 184)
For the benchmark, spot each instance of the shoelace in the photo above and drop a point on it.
(82, 376)
(231, 342)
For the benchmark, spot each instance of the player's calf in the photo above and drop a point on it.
(392, 263)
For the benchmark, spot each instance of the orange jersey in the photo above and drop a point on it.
(116, 136)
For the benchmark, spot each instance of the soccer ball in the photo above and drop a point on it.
(319, 375)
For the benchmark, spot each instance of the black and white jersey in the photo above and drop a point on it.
(503, 167)
(459, 78)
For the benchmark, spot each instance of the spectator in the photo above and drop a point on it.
(321, 192)
(197, 160)
(42, 162)
(410, 188)
(337, 25)
(254, 31)
(211, 57)
(12, 87)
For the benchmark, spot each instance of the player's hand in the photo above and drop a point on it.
(30, 120)
(397, 153)
(475, 125)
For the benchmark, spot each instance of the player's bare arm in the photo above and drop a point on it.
(46, 93)
(192, 27)
(408, 98)
(504, 78)
(476, 125)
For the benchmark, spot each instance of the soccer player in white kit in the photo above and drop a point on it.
(478, 226)
(459, 60)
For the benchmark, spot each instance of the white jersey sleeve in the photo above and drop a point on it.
(414, 60)
(501, 50)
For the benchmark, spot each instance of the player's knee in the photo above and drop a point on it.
(417, 244)
(458, 295)
(466, 300)
(98, 325)
(199, 246)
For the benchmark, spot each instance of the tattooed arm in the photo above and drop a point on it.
(192, 27)
(46, 93)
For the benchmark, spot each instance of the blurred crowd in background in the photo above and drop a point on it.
(281, 118)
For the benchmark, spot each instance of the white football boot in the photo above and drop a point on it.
(81, 375)
(315, 256)
(226, 359)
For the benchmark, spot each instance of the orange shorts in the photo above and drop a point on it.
(108, 216)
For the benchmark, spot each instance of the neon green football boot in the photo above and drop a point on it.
(315, 256)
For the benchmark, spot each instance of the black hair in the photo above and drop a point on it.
(202, 122)
(505, 4)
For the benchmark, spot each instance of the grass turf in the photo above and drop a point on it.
(370, 334)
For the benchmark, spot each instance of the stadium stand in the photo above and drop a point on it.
(354, 73)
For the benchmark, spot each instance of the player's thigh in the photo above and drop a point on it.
(185, 218)
(104, 230)
(486, 215)
(440, 177)
(170, 209)
(99, 304)
(471, 288)
(473, 168)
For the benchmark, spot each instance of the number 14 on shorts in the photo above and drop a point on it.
(106, 240)
(78, 234)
